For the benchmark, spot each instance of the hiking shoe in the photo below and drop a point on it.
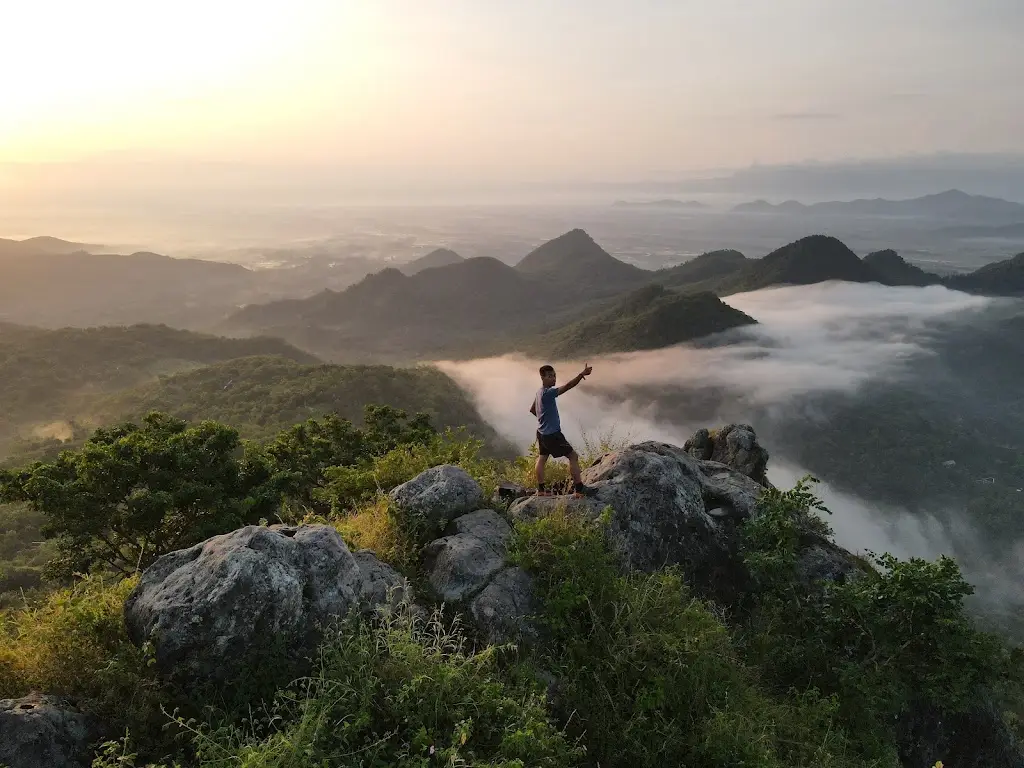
(544, 493)
(586, 490)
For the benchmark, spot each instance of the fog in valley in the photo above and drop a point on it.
(819, 354)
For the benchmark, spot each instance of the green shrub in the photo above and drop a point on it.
(404, 692)
(75, 645)
(895, 636)
(648, 675)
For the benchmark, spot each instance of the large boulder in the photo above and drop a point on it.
(460, 564)
(667, 508)
(734, 445)
(379, 583)
(502, 610)
(40, 731)
(439, 495)
(208, 608)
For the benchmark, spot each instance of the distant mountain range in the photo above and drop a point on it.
(664, 203)
(44, 246)
(952, 205)
(440, 257)
(1005, 232)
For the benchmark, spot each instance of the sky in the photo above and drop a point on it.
(533, 90)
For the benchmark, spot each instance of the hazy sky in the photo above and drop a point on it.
(532, 89)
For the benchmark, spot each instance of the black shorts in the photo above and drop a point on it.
(554, 445)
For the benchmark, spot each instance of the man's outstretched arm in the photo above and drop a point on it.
(579, 377)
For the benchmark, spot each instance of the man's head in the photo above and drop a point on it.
(547, 375)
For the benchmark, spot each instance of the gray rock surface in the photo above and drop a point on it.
(502, 610)
(207, 607)
(439, 495)
(378, 583)
(734, 445)
(668, 508)
(460, 564)
(40, 731)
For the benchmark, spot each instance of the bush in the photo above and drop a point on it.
(404, 693)
(75, 645)
(892, 638)
(648, 675)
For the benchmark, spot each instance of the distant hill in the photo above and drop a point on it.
(665, 203)
(261, 395)
(894, 270)
(440, 257)
(479, 302)
(47, 376)
(1004, 278)
(707, 267)
(813, 259)
(649, 318)
(56, 290)
(950, 205)
(575, 263)
(44, 246)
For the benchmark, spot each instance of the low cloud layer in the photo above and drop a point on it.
(813, 340)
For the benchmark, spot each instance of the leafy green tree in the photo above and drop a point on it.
(137, 491)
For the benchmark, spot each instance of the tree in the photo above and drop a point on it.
(137, 491)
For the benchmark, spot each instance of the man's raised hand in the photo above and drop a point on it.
(587, 370)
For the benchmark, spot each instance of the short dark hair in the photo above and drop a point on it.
(545, 369)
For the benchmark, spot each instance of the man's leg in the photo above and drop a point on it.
(574, 468)
(542, 460)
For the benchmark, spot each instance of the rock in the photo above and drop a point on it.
(379, 583)
(439, 495)
(502, 610)
(460, 565)
(978, 738)
(40, 731)
(735, 445)
(208, 607)
(668, 508)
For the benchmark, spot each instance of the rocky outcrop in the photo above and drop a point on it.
(40, 731)
(439, 495)
(735, 445)
(667, 508)
(502, 610)
(978, 738)
(378, 583)
(461, 564)
(207, 608)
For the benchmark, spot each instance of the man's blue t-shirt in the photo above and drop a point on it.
(547, 411)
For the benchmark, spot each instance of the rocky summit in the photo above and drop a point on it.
(206, 609)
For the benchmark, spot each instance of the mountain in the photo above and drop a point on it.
(649, 318)
(46, 376)
(950, 205)
(894, 270)
(1004, 278)
(665, 203)
(813, 259)
(575, 263)
(80, 289)
(261, 395)
(473, 304)
(440, 257)
(708, 266)
(44, 246)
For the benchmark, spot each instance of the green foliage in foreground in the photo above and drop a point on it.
(649, 675)
(137, 491)
(891, 639)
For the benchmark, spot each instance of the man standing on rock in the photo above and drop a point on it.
(550, 440)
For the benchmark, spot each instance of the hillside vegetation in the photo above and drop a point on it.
(649, 318)
(50, 376)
